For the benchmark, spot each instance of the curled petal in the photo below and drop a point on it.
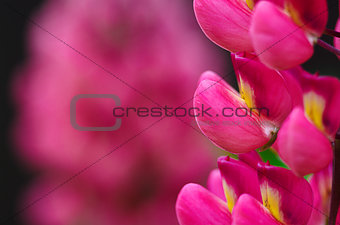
(226, 120)
(196, 205)
(278, 41)
(225, 22)
(215, 184)
(209, 75)
(295, 92)
(321, 97)
(289, 198)
(321, 184)
(337, 40)
(300, 143)
(250, 211)
(258, 83)
(251, 158)
(311, 14)
(238, 178)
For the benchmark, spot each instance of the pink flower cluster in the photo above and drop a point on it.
(82, 47)
(297, 108)
(337, 28)
(248, 191)
(279, 105)
(281, 32)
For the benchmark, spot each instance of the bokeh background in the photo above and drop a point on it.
(18, 176)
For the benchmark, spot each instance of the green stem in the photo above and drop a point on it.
(335, 201)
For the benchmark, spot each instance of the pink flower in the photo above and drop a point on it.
(286, 198)
(225, 22)
(321, 184)
(242, 122)
(286, 39)
(307, 133)
(336, 39)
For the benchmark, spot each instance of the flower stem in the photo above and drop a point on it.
(328, 47)
(335, 201)
(333, 33)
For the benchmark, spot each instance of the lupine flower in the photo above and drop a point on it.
(286, 39)
(270, 195)
(337, 39)
(159, 55)
(321, 184)
(225, 22)
(307, 133)
(282, 42)
(242, 122)
(337, 28)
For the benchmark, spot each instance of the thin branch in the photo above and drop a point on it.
(328, 47)
(333, 33)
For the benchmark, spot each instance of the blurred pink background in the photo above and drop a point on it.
(150, 53)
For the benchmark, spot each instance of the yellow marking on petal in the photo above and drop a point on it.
(230, 195)
(250, 4)
(247, 94)
(271, 200)
(314, 107)
(293, 13)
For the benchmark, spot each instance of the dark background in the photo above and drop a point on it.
(14, 178)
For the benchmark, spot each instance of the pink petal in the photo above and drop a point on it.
(337, 40)
(321, 184)
(311, 14)
(238, 134)
(300, 143)
(209, 75)
(250, 211)
(289, 198)
(278, 41)
(321, 96)
(225, 22)
(251, 158)
(215, 184)
(196, 205)
(296, 93)
(238, 178)
(262, 83)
